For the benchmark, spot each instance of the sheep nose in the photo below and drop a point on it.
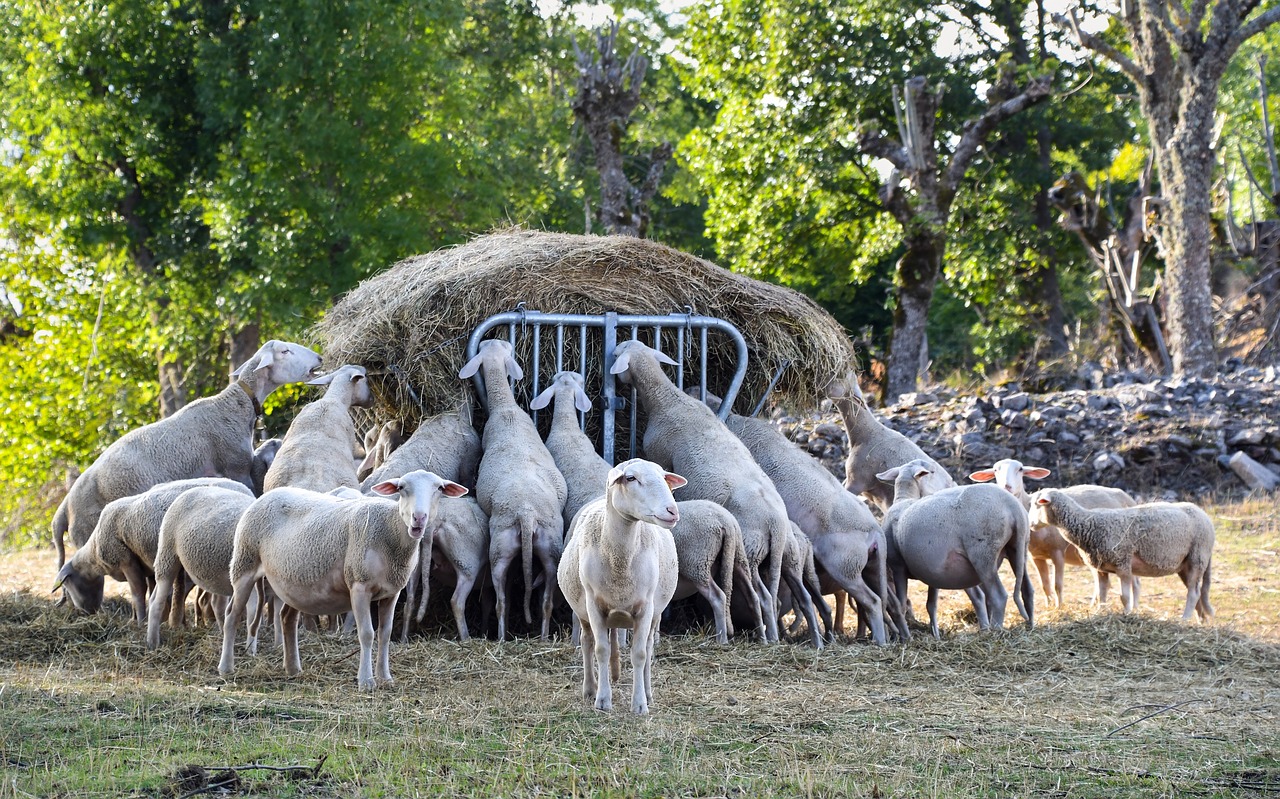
(419, 520)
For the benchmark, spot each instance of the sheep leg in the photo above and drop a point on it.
(617, 637)
(595, 621)
(641, 658)
(874, 614)
(1042, 566)
(178, 604)
(504, 545)
(410, 594)
(254, 621)
(931, 604)
(289, 622)
(1128, 602)
(1135, 588)
(715, 597)
(996, 597)
(1205, 609)
(589, 675)
(136, 575)
(239, 599)
(1059, 572)
(360, 608)
(653, 653)
(743, 581)
(840, 599)
(386, 613)
(1101, 587)
(978, 598)
(899, 575)
(550, 560)
(800, 598)
(164, 585)
(459, 603)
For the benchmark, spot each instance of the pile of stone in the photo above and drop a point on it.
(1160, 438)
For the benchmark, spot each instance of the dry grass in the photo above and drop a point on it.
(1058, 711)
(410, 323)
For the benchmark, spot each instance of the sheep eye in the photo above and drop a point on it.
(631, 478)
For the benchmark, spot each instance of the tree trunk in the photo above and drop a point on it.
(173, 394)
(1045, 277)
(1186, 165)
(245, 341)
(917, 276)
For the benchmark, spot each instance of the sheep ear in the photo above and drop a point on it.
(664, 358)
(357, 377)
(615, 474)
(982, 476)
(674, 481)
(580, 400)
(1042, 500)
(472, 366)
(620, 363)
(256, 361)
(1035, 472)
(387, 487)
(514, 369)
(452, 489)
(63, 574)
(543, 400)
(921, 472)
(889, 475)
(322, 380)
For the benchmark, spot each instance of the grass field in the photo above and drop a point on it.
(1089, 704)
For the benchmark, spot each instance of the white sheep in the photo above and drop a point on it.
(801, 579)
(1150, 540)
(874, 448)
(953, 539)
(379, 442)
(456, 545)
(685, 436)
(326, 555)
(619, 571)
(845, 536)
(317, 453)
(518, 486)
(710, 554)
(583, 469)
(1047, 544)
(124, 542)
(263, 457)
(446, 444)
(212, 436)
(195, 543)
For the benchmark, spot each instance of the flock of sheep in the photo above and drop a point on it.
(298, 529)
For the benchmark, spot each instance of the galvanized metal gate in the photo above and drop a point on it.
(685, 331)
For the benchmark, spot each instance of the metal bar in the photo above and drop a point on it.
(772, 385)
(582, 370)
(631, 435)
(537, 352)
(680, 358)
(559, 346)
(607, 426)
(702, 370)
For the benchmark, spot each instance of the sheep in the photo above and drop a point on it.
(956, 538)
(844, 535)
(801, 578)
(212, 436)
(263, 457)
(620, 570)
(707, 534)
(1150, 540)
(124, 542)
(518, 486)
(446, 444)
(457, 544)
(379, 442)
(684, 435)
(583, 469)
(326, 555)
(1046, 543)
(317, 453)
(874, 448)
(195, 542)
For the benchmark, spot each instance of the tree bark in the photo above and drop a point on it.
(917, 277)
(245, 341)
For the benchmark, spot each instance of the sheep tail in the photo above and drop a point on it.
(728, 557)
(59, 532)
(527, 528)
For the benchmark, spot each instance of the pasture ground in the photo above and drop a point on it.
(1089, 704)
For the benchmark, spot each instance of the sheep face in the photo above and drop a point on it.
(624, 352)
(640, 490)
(418, 493)
(495, 350)
(350, 378)
(1041, 512)
(85, 592)
(572, 384)
(281, 362)
(1009, 474)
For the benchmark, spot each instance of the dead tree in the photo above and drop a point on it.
(1118, 249)
(608, 93)
(1176, 58)
(918, 193)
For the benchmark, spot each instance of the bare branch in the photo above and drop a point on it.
(977, 130)
(873, 142)
(1252, 28)
(1100, 46)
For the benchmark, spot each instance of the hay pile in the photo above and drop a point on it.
(410, 324)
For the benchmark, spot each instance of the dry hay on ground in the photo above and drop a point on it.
(411, 323)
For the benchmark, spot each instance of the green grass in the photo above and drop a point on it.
(86, 710)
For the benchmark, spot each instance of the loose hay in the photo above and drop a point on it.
(411, 323)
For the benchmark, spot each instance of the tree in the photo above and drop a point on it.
(608, 94)
(1177, 58)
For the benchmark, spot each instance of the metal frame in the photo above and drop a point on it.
(684, 324)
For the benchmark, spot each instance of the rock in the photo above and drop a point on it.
(1251, 436)
(829, 431)
(1107, 461)
(1014, 402)
(1254, 474)
(1013, 420)
(1098, 402)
